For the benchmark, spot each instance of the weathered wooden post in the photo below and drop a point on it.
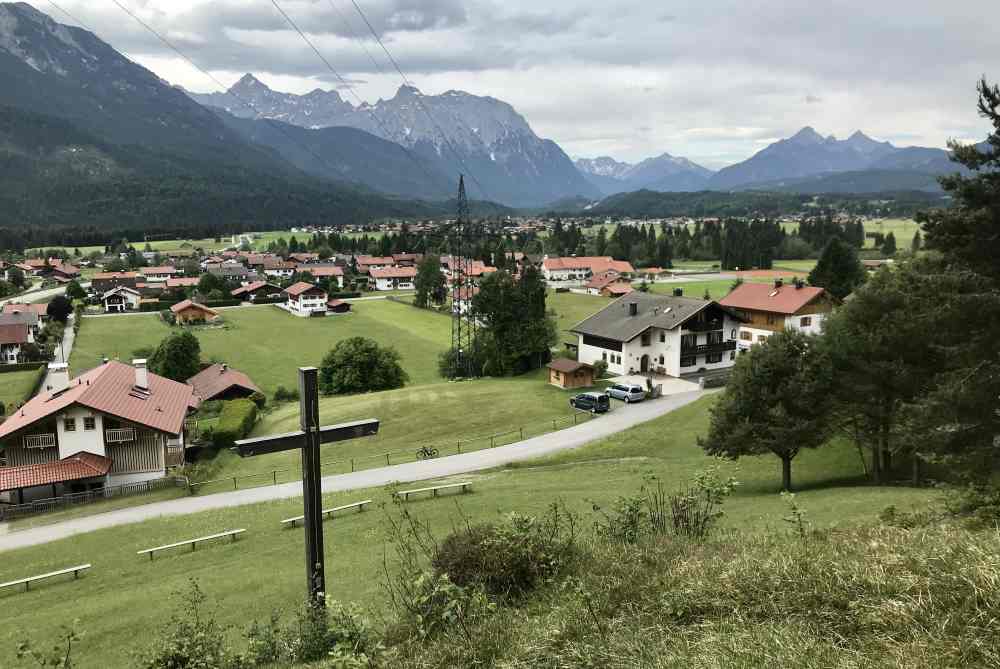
(309, 439)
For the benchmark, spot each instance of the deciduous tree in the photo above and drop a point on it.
(177, 357)
(429, 282)
(359, 365)
(775, 403)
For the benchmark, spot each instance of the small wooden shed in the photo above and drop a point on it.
(192, 312)
(568, 374)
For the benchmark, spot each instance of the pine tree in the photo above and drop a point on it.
(889, 246)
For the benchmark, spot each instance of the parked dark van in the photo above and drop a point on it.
(592, 402)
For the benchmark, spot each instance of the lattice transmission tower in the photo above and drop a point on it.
(463, 321)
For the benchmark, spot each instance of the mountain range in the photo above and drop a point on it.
(451, 133)
(664, 173)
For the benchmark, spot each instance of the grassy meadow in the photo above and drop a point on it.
(270, 345)
(125, 599)
(16, 387)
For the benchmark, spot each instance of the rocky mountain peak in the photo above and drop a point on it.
(807, 135)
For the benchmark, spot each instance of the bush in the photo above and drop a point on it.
(235, 422)
(338, 632)
(190, 640)
(283, 394)
(510, 558)
(600, 369)
(358, 365)
(979, 504)
(259, 399)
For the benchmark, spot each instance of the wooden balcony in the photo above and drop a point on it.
(119, 436)
(703, 326)
(39, 441)
(708, 349)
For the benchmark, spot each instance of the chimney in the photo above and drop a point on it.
(678, 292)
(633, 308)
(778, 283)
(141, 374)
(58, 377)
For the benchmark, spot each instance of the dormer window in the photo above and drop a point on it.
(69, 424)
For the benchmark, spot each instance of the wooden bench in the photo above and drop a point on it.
(360, 506)
(191, 542)
(405, 494)
(31, 579)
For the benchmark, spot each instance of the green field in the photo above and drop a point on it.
(438, 415)
(571, 308)
(16, 387)
(269, 344)
(125, 599)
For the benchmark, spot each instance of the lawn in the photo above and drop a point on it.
(125, 599)
(270, 344)
(438, 415)
(16, 387)
(571, 308)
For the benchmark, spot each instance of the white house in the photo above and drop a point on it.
(331, 272)
(576, 271)
(393, 278)
(305, 299)
(13, 337)
(646, 332)
(768, 308)
(121, 298)
(115, 424)
(159, 274)
(279, 269)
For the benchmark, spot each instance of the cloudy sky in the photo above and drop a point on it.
(712, 80)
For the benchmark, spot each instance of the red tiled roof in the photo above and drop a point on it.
(394, 273)
(164, 269)
(374, 260)
(336, 303)
(82, 465)
(214, 380)
(595, 264)
(278, 263)
(39, 308)
(110, 389)
(322, 271)
(189, 304)
(605, 278)
(299, 288)
(65, 268)
(618, 289)
(304, 257)
(182, 281)
(467, 292)
(251, 287)
(786, 299)
(14, 333)
(115, 275)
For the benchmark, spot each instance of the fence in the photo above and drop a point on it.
(13, 511)
(358, 463)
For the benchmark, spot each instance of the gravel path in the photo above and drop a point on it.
(621, 419)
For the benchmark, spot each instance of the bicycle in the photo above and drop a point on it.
(425, 452)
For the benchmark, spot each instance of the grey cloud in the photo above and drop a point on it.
(813, 99)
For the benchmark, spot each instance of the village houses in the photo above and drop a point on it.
(768, 308)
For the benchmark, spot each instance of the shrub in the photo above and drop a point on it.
(978, 503)
(358, 365)
(235, 422)
(600, 369)
(510, 558)
(283, 394)
(337, 632)
(259, 399)
(190, 639)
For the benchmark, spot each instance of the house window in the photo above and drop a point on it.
(661, 359)
(645, 338)
(732, 333)
(713, 357)
(663, 337)
(761, 338)
(715, 337)
(688, 361)
(732, 355)
(89, 423)
(689, 341)
(746, 336)
(805, 321)
(69, 424)
(604, 356)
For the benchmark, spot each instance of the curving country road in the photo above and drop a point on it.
(621, 419)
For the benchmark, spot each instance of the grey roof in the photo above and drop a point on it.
(229, 270)
(29, 318)
(660, 311)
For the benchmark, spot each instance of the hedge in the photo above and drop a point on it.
(22, 367)
(235, 422)
(343, 296)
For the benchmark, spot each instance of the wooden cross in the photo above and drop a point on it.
(309, 439)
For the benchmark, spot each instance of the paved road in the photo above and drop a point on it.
(574, 437)
(63, 352)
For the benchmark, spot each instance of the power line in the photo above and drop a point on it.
(417, 98)
(348, 87)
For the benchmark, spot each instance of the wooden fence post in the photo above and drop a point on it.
(386, 459)
(352, 464)
(234, 483)
(274, 477)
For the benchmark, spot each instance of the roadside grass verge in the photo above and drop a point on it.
(125, 596)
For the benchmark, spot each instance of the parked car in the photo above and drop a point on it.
(592, 402)
(627, 393)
